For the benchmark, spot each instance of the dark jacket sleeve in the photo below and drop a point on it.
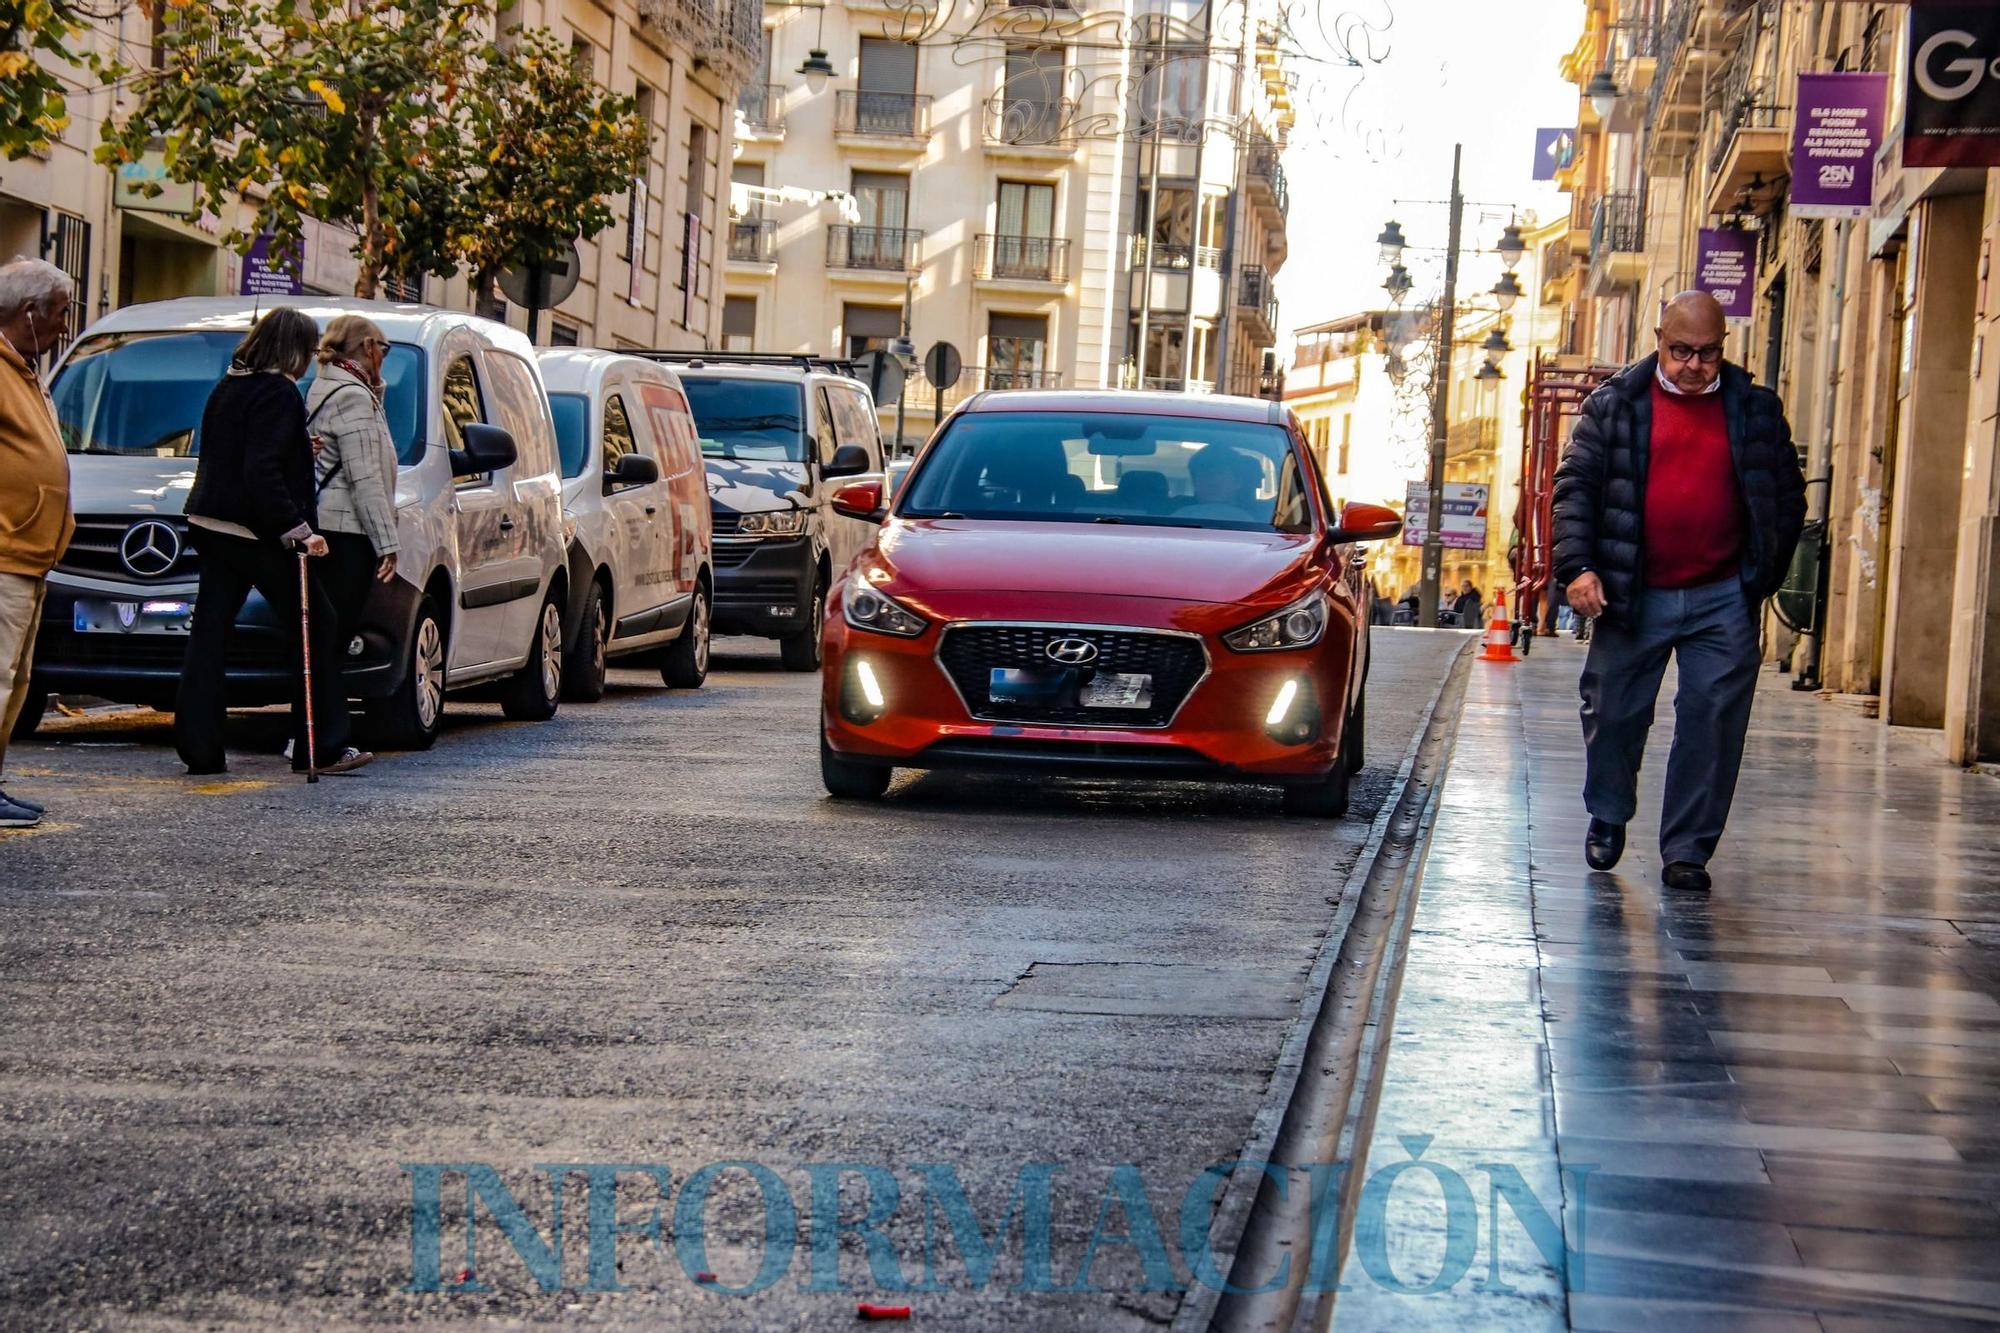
(273, 444)
(1579, 492)
(1788, 497)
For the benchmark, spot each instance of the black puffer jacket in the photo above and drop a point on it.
(1600, 499)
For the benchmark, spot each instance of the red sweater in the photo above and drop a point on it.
(1694, 515)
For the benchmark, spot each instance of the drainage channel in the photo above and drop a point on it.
(1328, 1113)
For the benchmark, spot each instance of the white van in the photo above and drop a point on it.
(635, 498)
(481, 587)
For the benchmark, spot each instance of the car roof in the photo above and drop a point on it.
(1209, 407)
(583, 369)
(406, 323)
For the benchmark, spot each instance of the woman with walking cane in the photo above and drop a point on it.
(251, 515)
(356, 464)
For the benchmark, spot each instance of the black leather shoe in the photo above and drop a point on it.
(1603, 844)
(1686, 876)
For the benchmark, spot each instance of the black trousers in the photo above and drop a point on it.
(349, 571)
(230, 568)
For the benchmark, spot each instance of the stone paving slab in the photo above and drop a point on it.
(1776, 1105)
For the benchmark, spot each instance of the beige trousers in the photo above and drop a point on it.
(20, 616)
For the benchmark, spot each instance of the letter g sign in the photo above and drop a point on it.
(1967, 70)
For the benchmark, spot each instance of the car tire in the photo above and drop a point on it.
(532, 693)
(1354, 736)
(34, 704)
(686, 663)
(800, 652)
(584, 658)
(848, 781)
(1325, 798)
(411, 718)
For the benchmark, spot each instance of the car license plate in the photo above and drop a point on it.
(1010, 685)
(155, 616)
(1113, 690)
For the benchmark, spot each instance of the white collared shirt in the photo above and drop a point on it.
(1677, 391)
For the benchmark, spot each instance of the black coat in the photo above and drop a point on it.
(256, 465)
(1600, 496)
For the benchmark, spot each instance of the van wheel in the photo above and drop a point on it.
(34, 703)
(800, 652)
(410, 718)
(583, 661)
(848, 781)
(532, 693)
(686, 663)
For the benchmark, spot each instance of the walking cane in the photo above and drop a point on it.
(305, 642)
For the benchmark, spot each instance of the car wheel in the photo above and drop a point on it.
(800, 651)
(583, 660)
(34, 703)
(1354, 736)
(532, 693)
(1327, 797)
(410, 718)
(848, 781)
(686, 665)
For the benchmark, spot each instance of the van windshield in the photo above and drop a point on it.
(751, 419)
(572, 414)
(142, 394)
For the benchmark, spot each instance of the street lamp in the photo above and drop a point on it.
(1507, 290)
(1397, 284)
(1496, 346)
(1511, 247)
(817, 69)
(1392, 243)
(1489, 371)
(1602, 90)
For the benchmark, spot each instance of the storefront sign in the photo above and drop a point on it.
(1464, 515)
(1951, 107)
(1555, 149)
(1834, 137)
(1725, 267)
(267, 274)
(151, 169)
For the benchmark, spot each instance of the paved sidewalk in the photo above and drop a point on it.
(1776, 1105)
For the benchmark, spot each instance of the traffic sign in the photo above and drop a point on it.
(943, 365)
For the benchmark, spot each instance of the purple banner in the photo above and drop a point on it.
(1835, 132)
(1554, 150)
(1725, 266)
(266, 274)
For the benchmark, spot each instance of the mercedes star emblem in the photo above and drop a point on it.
(150, 548)
(1072, 652)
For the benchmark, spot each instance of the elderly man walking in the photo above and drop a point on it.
(35, 521)
(1677, 508)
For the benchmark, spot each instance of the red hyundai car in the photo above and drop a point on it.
(1092, 583)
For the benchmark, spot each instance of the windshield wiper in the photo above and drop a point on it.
(1107, 518)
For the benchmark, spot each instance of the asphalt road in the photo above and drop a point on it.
(238, 1017)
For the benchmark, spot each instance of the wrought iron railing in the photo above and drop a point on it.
(1250, 292)
(752, 241)
(880, 249)
(762, 105)
(1030, 122)
(923, 396)
(1263, 164)
(1032, 258)
(1174, 257)
(1619, 224)
(1746, 114)
(884, 115)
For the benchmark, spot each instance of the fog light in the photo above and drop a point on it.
(871, 689)
(862, 698)
(1293, 718)
(1282, 704)
(355, 647)
(783, 611)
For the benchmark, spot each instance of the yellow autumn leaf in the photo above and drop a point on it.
(334, 102)
(12, 63)
(298, 194)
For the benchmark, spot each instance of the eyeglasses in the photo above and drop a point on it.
(382, 343)
(1709, 355)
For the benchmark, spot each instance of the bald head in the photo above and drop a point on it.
(1691, 333)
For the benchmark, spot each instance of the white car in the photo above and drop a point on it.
(635, 503)
(481, 586)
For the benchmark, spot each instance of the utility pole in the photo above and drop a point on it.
(1427, 589)
(902, 394)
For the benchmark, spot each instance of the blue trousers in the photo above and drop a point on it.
(1711, 631)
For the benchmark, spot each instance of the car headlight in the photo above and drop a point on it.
(777, 523)
(1296, 626)
(868, 607)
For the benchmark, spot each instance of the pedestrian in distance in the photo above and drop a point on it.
(355, 465)
(251, 513)
(35, 519)
(1677, 508)
(1466, 609)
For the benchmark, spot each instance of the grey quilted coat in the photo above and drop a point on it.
(357, 466)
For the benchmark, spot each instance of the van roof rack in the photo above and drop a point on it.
(799, 360)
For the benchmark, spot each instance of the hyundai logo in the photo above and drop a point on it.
(150, 548)
(1072, 652)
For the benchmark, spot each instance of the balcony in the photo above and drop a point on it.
(1472, 437)
(896, 117)
(1023, 259)
(753, 242)
(1258, 300)
(873, 249)
(1617, 243)
(1557, 265)
(1267, 181)
(1582, 216)
(923, 396)
(1753, 149)
(1174, 258)
(1030, 127)
(1693, 41)
(1128, 378)
(762, 106)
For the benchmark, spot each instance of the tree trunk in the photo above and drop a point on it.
(368, 275)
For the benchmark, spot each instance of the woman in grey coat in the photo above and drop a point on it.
(356, 464)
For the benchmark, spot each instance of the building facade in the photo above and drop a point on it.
(1872, 329)
(652, 280)
(1083, 197)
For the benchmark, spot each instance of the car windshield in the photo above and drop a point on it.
(142, 394)
(1112, 467)
(572, 414)
(753, 419)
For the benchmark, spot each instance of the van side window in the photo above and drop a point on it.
(824, 431)
(856, 420)
(618, 440)
(463, 407)
(520, 407)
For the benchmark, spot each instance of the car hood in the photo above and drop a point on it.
(1181, 564)
(102, 484)
(745, 486)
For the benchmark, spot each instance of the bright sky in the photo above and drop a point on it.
(1465, 71)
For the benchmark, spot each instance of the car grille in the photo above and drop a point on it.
(93, 552)
(970, 653)
(249, 650)
(725, 524)
(733, 551)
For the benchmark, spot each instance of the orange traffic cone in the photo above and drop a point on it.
(1499, 632)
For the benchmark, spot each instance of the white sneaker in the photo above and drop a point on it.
(288, 748)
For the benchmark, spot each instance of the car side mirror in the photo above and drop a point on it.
(1366, 523)
(849, 460)
(487, 449)
(633, 470)
(862, 499)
